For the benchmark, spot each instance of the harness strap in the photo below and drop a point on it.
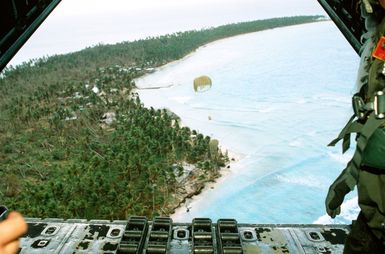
(350, 127)
(366, 132)
(343, 132)
(373, 170)
(377, 114)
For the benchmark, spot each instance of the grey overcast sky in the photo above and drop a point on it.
(76, 24)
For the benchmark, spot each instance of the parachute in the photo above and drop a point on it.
(202, 84)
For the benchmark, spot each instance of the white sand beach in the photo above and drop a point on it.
(193, 203)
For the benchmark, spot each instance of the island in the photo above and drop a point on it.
(76, 141)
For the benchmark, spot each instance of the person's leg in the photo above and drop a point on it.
(361, 239)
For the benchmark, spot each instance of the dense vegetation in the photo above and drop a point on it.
(75, 140)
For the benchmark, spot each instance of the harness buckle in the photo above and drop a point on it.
(379, 105)
(359, 107)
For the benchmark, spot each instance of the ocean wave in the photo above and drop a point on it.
(232, 108)
(307, 181)
(333, 100)
(302, 101)
(341, 158)
(181, 99)
(244, 125)
(296, 143)
(266, 110)
(312, 133)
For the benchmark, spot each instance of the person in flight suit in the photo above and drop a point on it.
(367, 167)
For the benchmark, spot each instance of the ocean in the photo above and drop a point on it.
(278, 98)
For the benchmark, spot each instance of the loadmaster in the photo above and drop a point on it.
(366, 169)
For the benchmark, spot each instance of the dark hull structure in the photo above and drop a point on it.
(346, 14)
(19, 20)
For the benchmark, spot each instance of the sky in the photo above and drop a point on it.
(76, 24)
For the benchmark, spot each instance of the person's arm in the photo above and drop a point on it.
(344, 183)
(10, 231)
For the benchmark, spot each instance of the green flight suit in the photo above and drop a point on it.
(368, 231)
(371, 184)
(371, 180)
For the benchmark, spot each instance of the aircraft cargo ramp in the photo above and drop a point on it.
(138, 235)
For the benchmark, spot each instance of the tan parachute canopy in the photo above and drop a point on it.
(202, 83)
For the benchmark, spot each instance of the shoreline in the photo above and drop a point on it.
(192, 189)
(191, 199)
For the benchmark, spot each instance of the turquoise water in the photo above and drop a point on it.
(278, 97)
